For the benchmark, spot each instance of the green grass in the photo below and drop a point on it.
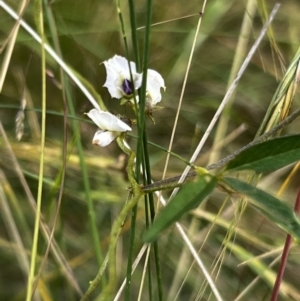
(230, 236)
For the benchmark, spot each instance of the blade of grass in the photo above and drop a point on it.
(139, 149)
(222, 125)
(67, 97)
(55, 249)
(183, 88)
(283, 97)
(214, 13)
(228, 94)
(60, 179)
(160, 185)
(194, 253)
(147, 168)
(10, 46)
(136, 262)
(63, 65)
(152, 216)
(254, 282)
(92, 215)
(180, 103)
(262, 270)
(57, 254)
(145, 269)
(40, 25)
(262, 9)
(142, 153)
(240, 53)
(13, 231)
(137, 193)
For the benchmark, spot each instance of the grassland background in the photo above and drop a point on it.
(89, 33)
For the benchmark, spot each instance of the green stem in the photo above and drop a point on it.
(115, 233)
(134, 35)
(170, 183)
(40, 24)
(116, 229)
(152, 215)
(96, 281)
(67, 94)
(84, 170)
(139, 147)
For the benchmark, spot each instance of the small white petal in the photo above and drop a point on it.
(121, 63)
(113, 82)
(156, 77)
(154, 83)
(103, 139)
(137, 80)
(107, 121)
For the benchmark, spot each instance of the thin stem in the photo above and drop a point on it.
(152, 215)
(183, 88)
(86, 183)
(116, 229)
(115, 233)
(139, 145)
(61, 174)
(143, 137)
(137, 193)
(134, 36)
(285, 254)
(96, 281)
(228, 95)
(284, 258)
(54, 55)
(173, 182)
(40, 24)
(258, 140)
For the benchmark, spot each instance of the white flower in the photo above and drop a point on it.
(119, 83)
(154, 83)
(118, 80)
(110, 127)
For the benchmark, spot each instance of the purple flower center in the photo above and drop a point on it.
(127, 87)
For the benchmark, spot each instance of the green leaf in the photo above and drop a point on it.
(268, 156)
(189, 197)
(276, 210)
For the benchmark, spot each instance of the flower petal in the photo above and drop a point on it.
(154, 83)
(104, 138)
(121, 63)
(118, 72)
(137, 80)
(107, 121)
(113, 82)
